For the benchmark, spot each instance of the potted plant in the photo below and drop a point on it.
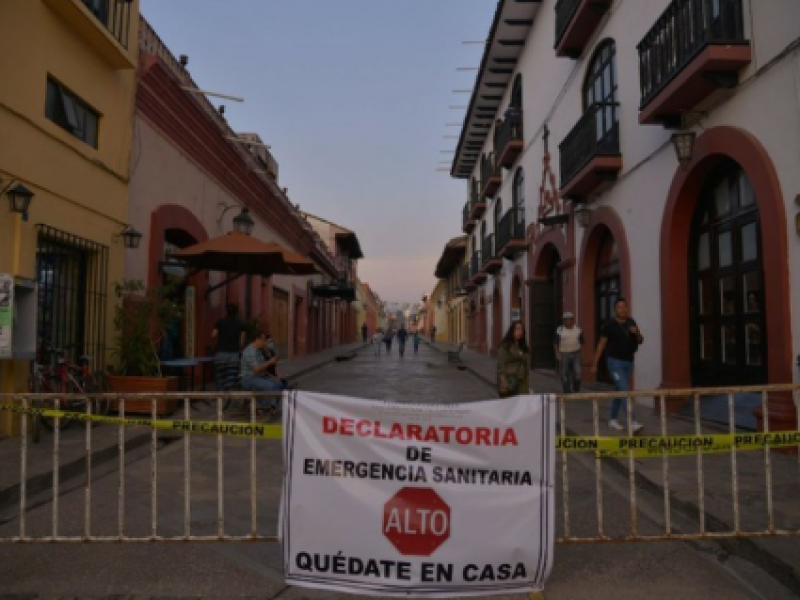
(141, 319)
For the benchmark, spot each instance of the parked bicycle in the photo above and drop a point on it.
(74, 380)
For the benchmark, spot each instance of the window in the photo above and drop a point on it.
(518, 194)
(498, 214)
(600, 88)
(69, 112)
(99, 8)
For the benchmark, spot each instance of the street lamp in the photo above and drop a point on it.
(583, 215)
(683, 141)
(243, 223)
(19, 197)
(130, 237)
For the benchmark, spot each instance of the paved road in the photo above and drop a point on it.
(214, 570)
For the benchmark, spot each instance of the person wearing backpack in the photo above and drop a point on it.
(620, 337)
(568, 342)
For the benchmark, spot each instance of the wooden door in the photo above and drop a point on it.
(280, 322)
(543, 324)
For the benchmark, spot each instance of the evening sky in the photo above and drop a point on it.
(353, 96)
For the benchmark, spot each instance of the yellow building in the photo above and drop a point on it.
(66, 113)
(449, 295)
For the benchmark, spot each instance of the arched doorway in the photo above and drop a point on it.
(180, 340)
(607, 289)
(497, 319)
(726, 292)
(546, 303)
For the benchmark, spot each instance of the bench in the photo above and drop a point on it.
(455, 355)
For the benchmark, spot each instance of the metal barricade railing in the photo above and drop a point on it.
(678, 481)
(196, 412)
(734, 491)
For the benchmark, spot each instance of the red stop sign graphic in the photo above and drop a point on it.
(416, 521)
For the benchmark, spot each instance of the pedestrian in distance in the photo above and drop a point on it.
(433, 333)
(568, 342)
(620, 338)
(402, 336)
(255, 372)
(387, 339)
(377, 340)
(513, 362)
(364, 333)
(416, 338)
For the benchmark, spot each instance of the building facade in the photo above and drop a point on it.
(66, 113)
(576, 196)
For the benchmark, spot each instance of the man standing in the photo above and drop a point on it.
(402, 335)
(364, 333)
(255, 372)
(620, 338)
(568, 342)
(433, 333)
(229, 333)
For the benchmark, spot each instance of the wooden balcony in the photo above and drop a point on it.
(492, 261)
(590, 154)
(695, 48)
(509, 142)
(511, 233)
(576, 21)
(491, 176)
(477, 205)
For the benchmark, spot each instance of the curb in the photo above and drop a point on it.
(305, 371)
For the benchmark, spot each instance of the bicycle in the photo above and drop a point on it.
(64, 377)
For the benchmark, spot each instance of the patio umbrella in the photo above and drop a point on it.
(239, 253)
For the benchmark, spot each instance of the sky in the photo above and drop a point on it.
(353, 96)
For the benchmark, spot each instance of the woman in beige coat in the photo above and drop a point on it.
(513, 362)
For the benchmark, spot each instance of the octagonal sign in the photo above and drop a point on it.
(416, 521)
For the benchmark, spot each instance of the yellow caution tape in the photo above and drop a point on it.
(603, 447)
(676, 445)
(269, 431)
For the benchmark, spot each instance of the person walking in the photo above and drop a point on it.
(402, 336)
(255, 372)
(568, 342)
(620, 337)
(377, 340)
(387, 339)
(513, 362)
(433, 333)
(416, 338)
(364, 333)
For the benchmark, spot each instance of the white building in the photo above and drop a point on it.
(585, 200)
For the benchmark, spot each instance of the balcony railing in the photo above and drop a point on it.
(510, 131)
(475, 264)
(467, 224)
(511, 227)
(595, 134)
(684, 29)
(490, 174)
(565, 11)
(115, 15)
(463, 275)
(488, 248)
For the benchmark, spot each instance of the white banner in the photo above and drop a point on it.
(399, 499)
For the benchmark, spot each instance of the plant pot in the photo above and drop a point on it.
(139, 385)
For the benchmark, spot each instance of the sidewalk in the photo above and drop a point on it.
(105, 443)
(779, 556)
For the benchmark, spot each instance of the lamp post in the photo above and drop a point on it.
(19, 199)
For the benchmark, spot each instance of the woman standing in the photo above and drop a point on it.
(513, 362)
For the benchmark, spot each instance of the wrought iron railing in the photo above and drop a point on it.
(510, 130)
(488, 248)
(684, 29)
(595, 134)
(115, 15)
(565, 11)
(488, 167)
(511, 226)
(467, 212)
(475, 264)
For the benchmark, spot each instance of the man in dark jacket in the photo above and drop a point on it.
(402, 335)
(619, 338)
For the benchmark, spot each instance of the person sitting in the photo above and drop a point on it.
(255, 372)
